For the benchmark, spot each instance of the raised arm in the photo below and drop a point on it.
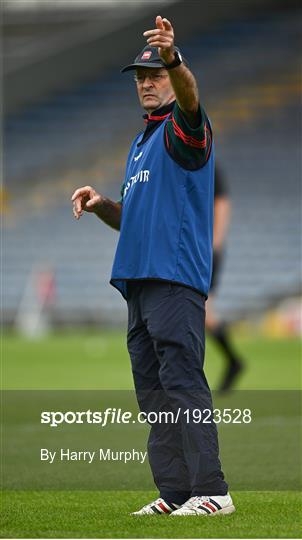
(88, 200)
(182, 80)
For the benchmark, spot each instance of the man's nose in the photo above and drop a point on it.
(147, 82)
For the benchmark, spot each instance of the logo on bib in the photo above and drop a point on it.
(138, 156)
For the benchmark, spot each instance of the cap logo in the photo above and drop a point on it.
(146, 55)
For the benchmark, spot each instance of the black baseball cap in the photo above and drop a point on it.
(148, 57)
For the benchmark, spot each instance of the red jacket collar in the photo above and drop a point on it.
(160, 114)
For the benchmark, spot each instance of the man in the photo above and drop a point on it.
(216, 328)
(162, 267)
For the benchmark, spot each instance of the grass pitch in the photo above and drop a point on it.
(81, 360)
(83, 514)
(100, 361)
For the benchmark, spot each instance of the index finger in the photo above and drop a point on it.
(80, 191)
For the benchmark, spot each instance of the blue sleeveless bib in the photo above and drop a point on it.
(167, 219)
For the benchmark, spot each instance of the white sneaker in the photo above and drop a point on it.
(206, 506)
(156, 507)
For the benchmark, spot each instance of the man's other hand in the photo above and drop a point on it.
(85, 198)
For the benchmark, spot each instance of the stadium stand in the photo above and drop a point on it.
(49, 46)
(82, 136)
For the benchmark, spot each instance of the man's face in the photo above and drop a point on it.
(154, 88)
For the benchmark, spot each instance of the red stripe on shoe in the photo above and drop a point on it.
(170, 507)
(210, 506)
(165, 509)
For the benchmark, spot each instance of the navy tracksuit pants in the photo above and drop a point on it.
(166, 346)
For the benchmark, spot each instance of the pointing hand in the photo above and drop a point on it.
(163, 38)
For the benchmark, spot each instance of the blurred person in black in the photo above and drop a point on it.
(218, 329)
